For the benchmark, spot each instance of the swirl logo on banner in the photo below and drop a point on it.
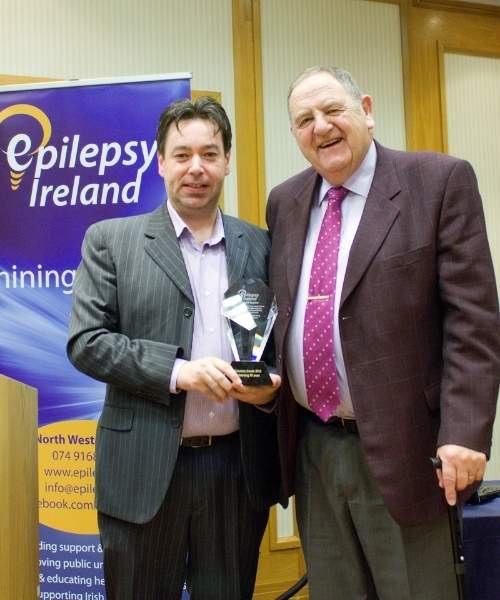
(70, 155)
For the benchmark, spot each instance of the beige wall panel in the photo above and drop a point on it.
(359, 35)
(472, 86)
(91, 38)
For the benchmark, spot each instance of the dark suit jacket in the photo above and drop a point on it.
(418, 320)
(132, 316)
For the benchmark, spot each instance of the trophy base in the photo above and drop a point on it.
(252, 372)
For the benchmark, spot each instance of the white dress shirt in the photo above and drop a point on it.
(352, 208)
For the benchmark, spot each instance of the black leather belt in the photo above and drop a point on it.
(345, 425)
(204, 441)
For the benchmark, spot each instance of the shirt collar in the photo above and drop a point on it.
(182, 229)
(361, 180)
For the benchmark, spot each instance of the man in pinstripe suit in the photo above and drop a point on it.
(186, 467)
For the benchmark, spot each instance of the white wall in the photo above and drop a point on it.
(362, 36)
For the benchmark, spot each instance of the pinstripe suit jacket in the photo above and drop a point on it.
(132, 316)
(418, 320)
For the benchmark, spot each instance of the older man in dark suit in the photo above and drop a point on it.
(186, 467)
(388, 343)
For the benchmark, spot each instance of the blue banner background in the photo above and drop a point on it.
(40, 250)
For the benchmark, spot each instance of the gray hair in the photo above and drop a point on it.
(341, 75)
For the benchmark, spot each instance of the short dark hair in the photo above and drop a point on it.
(204, 107)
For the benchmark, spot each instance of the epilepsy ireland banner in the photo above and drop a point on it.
(71, 153)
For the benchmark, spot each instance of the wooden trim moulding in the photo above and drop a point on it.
(13, 79)
(248, 109)
(459, 6)
(442, 94)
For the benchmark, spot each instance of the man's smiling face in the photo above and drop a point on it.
(194, 166)
(332, 129)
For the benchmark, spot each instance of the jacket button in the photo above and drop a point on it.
(188, 312)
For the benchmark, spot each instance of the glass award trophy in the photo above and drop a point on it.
(250, 310)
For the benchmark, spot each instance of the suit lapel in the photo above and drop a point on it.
(237, 250)
(378, 216)
(163, 247)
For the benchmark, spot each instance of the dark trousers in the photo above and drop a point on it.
(354, 549)
(206, 533)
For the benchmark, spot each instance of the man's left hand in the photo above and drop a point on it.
(461, 467)
(257, 394)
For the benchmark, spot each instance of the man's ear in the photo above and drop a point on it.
(161, 164)
(366, 106)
